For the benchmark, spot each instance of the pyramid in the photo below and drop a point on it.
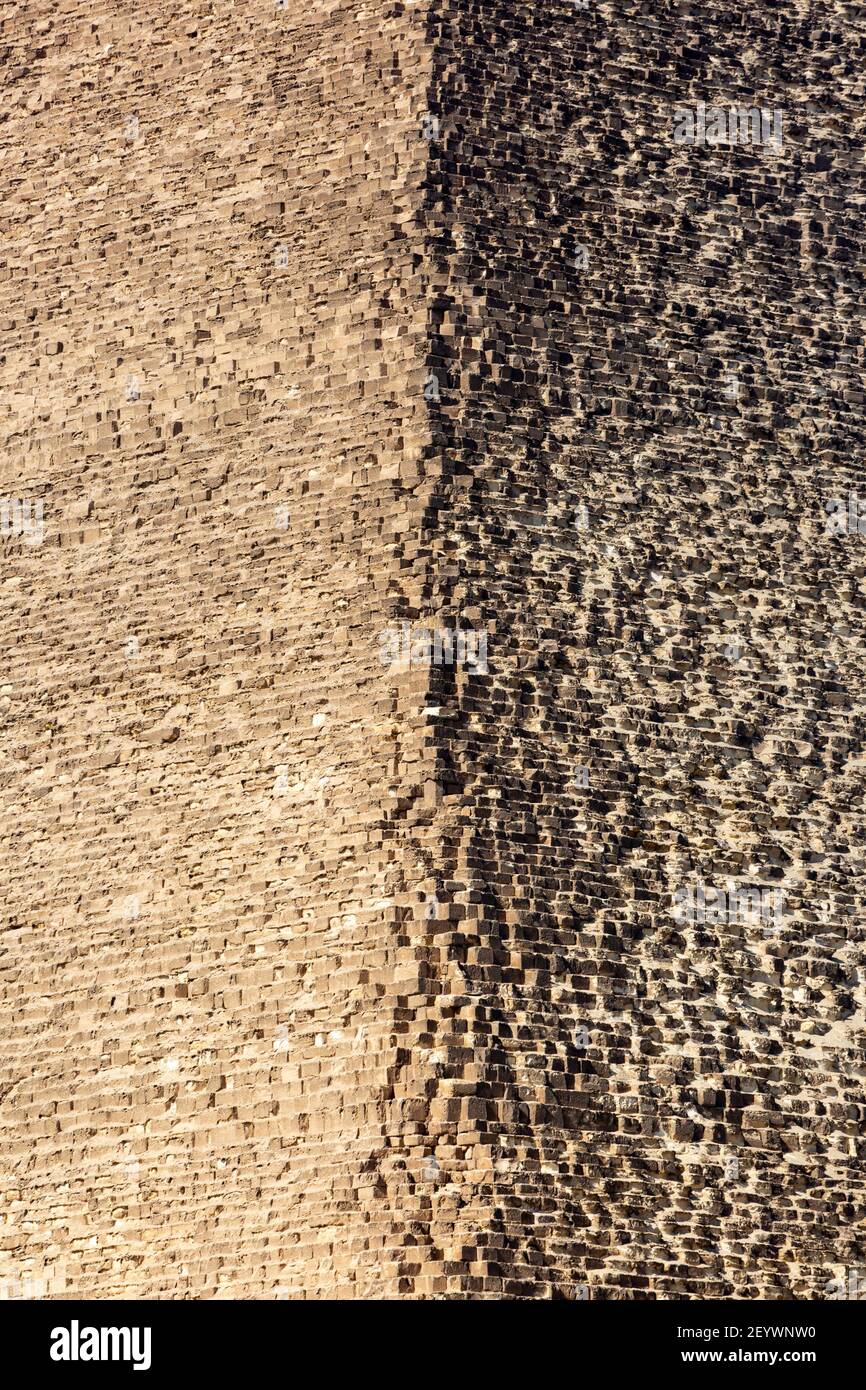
(432, 728)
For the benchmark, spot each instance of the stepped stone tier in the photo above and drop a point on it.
(432, 591)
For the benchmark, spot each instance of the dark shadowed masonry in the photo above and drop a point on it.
(532, 968)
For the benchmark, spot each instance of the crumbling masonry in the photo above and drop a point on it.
(326, 975)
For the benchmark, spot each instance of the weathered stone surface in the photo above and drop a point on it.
(331, 331)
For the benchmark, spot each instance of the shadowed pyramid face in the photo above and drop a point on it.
(430, 527)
